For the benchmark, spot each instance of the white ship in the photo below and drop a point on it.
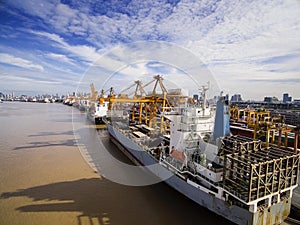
(233, 176)
(96, 111)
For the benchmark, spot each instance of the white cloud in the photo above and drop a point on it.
(240, 48)
(13, 82)
(13, 79)
(260, 29)
(20, 62)
(51, 36)
(84, 52)
(42, 9)
(60, 57)
(62, 17)
(235, 38)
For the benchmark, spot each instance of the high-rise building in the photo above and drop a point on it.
(286, 98)
(236, 98)
(271, 99)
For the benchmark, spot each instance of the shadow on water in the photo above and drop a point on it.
(111, 203)
(41, 144)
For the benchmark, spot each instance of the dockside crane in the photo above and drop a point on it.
(266, 127)
(145, 108)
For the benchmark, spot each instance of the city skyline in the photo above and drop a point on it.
(249, 47)
(232, 97)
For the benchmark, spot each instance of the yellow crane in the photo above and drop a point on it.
(145, 108)
(265, 126)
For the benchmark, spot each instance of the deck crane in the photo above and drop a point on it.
(145, 107)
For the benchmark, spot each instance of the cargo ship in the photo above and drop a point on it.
(191, 147)
(96, 111)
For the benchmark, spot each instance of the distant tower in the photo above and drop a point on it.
(268, 99)
(236, 98)
(286, 98)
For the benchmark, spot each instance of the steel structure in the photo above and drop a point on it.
(264, 126)
(253, 174)
(143, 107)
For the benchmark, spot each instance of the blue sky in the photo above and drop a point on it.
(251, 47)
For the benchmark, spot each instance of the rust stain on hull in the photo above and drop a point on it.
(275, 214)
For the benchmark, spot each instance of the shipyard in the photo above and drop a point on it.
(138, 112)
(253, 168)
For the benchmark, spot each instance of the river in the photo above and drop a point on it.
(45, 178)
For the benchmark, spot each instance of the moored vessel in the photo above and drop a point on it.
(96, 111)
(192, 150)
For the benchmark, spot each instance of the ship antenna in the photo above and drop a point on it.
(203, 95)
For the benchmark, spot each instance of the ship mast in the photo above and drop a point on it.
(203, 93)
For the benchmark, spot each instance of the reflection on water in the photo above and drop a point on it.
(29, 126)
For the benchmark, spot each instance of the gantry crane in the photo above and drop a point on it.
(264, 126)
(145, 108)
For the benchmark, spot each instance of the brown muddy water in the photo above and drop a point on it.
(46, 180)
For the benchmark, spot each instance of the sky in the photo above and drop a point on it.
(248, 47)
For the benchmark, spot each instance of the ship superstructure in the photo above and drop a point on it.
(234, 176)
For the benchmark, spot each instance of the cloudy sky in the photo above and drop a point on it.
(251, 47)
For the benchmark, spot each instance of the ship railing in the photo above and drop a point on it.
(196, 120)
(128, 134)
(191, 130)
(169, 161)
(176, 164)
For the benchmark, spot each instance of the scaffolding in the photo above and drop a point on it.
(234, 144)
(253, 174)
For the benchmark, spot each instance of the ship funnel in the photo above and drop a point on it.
(221, 127)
